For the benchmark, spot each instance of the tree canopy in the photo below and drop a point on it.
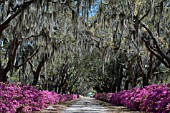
(81, 45)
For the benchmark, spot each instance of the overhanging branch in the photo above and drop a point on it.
(10, 17)
(164, 57)
(17, 66)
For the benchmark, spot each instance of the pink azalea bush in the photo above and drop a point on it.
(67, 97)
(24, 98)
(104, 96)
(153, 98)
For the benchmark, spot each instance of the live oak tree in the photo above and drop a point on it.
(22, 20)
(47, 41)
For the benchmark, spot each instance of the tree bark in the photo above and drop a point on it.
(127, 84)
(3, 75)
(22, 7)
(38, 70)
(145, 81)
(156, 50)
(120, 78)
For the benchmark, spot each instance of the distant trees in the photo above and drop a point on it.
(140, 28)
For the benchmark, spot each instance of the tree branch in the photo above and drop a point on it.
(153, 52)
(32, 67)
(10, 17)
(13, 46)
(161, 72)
(17, 66)
(150, 66)
(164, 58)
(146, 14)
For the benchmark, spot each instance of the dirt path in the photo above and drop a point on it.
(87, 105)
(90, 105)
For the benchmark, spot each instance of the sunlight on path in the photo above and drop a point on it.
(86, 105)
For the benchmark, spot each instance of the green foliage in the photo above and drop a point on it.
(84, 52)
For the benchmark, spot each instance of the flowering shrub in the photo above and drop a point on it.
(25, 98)
(67, 97)
(153, 98)
(104, 97)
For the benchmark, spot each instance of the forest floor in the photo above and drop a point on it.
(87, 105)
